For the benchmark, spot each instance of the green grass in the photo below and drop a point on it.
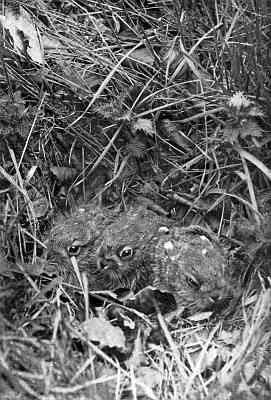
(168, 100)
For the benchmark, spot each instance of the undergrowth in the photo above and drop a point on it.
(165, 101)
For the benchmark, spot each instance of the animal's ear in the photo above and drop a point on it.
(200, 230)
(146, 205)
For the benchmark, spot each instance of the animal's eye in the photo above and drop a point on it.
(74, 250)
(192, 282)
(126, 252)
(164, 229)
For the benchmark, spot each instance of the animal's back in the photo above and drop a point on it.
(190, 265)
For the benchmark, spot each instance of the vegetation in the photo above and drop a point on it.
(167, 101)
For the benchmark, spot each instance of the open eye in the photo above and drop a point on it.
(74, 249)
(126, 252)
(164, 229)
(191, 280)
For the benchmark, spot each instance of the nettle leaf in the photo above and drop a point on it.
(239, 100)
(99, 329)
(247, 128)
(250, 128)
(143, 124)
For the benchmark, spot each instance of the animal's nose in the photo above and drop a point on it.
(103, 263)
(215, 297)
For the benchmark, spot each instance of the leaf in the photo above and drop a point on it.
(23, 32)
(137, 357)
(246, 128)
(4, 265)
(209, 357)
(171, 58)
(64, 174)
(249, 370)
(51, 44)
(41, 206)
(143, 124)
(259, 164)
(239, 100)
(102, 331)
(250, 128)
(200, 316)
(142, 56)
(36, 269)
(174, 132)
(230, 338)
(150, 377)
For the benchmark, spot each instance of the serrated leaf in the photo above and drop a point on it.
(238, 100)
(250, 128)
(143, 124)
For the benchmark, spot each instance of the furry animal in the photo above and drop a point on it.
(74, 235)
(142, 250)
(139, 249)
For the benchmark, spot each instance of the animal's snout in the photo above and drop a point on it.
(215, 296)
(103, 263)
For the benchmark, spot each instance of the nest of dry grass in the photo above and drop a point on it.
(164, 100)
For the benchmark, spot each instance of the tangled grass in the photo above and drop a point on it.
(163, 100)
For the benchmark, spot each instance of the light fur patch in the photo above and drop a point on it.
(204, 238)
(163, 229)
(168, 245)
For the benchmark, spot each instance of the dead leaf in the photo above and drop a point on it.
(102, 331)
(64, 174)
(142, 56)
(41, 206)
(23, 31)
(36, 269)
(4, 265)
(150, 377)
(209, 358)
(137, 357)
(173, 130)
(51, 44)
(250, 369)
(200, 316)
(230, 337)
